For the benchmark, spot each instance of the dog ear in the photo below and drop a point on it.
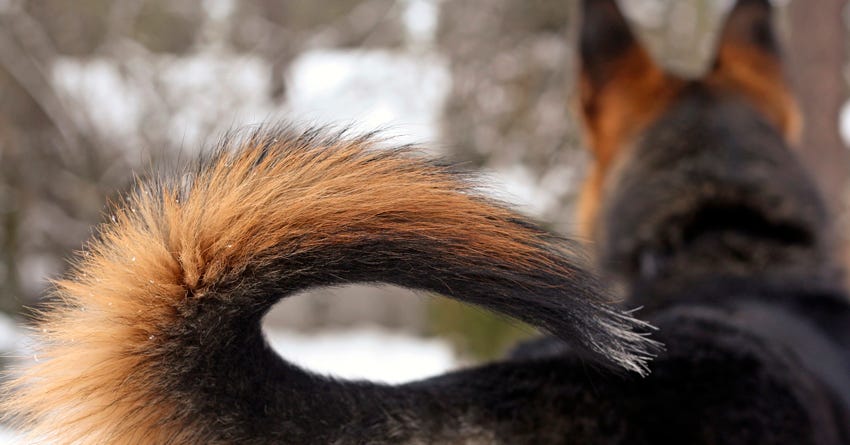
(607, 44)
(621, 91)
(614, 65)
(749, 24)
(749, 62)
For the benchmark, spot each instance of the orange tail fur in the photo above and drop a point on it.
(155, 336)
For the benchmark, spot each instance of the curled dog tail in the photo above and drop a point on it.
(155, 335)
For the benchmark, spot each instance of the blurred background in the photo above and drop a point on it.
(93, 92)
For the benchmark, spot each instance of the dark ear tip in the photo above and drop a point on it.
(604, 29)
(604, 8)
(766, 3)
(762, 5)
(587, 3)
(751, 21)
(605, 41)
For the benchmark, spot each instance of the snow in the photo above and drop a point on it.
(370, 89)
(215, 92)
(369, 353)
(196, 96)
(219, 9)
(109, 100)
(191, 96)
(420, 19)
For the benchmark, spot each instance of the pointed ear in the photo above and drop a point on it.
(621, 91)
(750, 23)
(619, 79)
(749, 62)
(607, 43)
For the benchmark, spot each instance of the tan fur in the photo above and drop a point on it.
(630, 100)
(747, 71)
(90, 380)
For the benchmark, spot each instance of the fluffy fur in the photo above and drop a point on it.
(155, 335)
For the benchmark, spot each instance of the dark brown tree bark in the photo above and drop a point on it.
(817, 49)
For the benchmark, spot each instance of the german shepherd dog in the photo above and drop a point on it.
(698, 206)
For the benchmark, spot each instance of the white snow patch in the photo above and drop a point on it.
(370, 89)
(193, 97)
(109, 100)
(421, 19)
(219, 9)
(844, 124)
(365, 353)
(215, 91)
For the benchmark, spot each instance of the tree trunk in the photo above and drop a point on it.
(817, 49)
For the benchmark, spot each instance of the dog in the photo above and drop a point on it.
(154, 337)
(699, 208)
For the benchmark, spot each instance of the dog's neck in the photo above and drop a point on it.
(712, 193)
